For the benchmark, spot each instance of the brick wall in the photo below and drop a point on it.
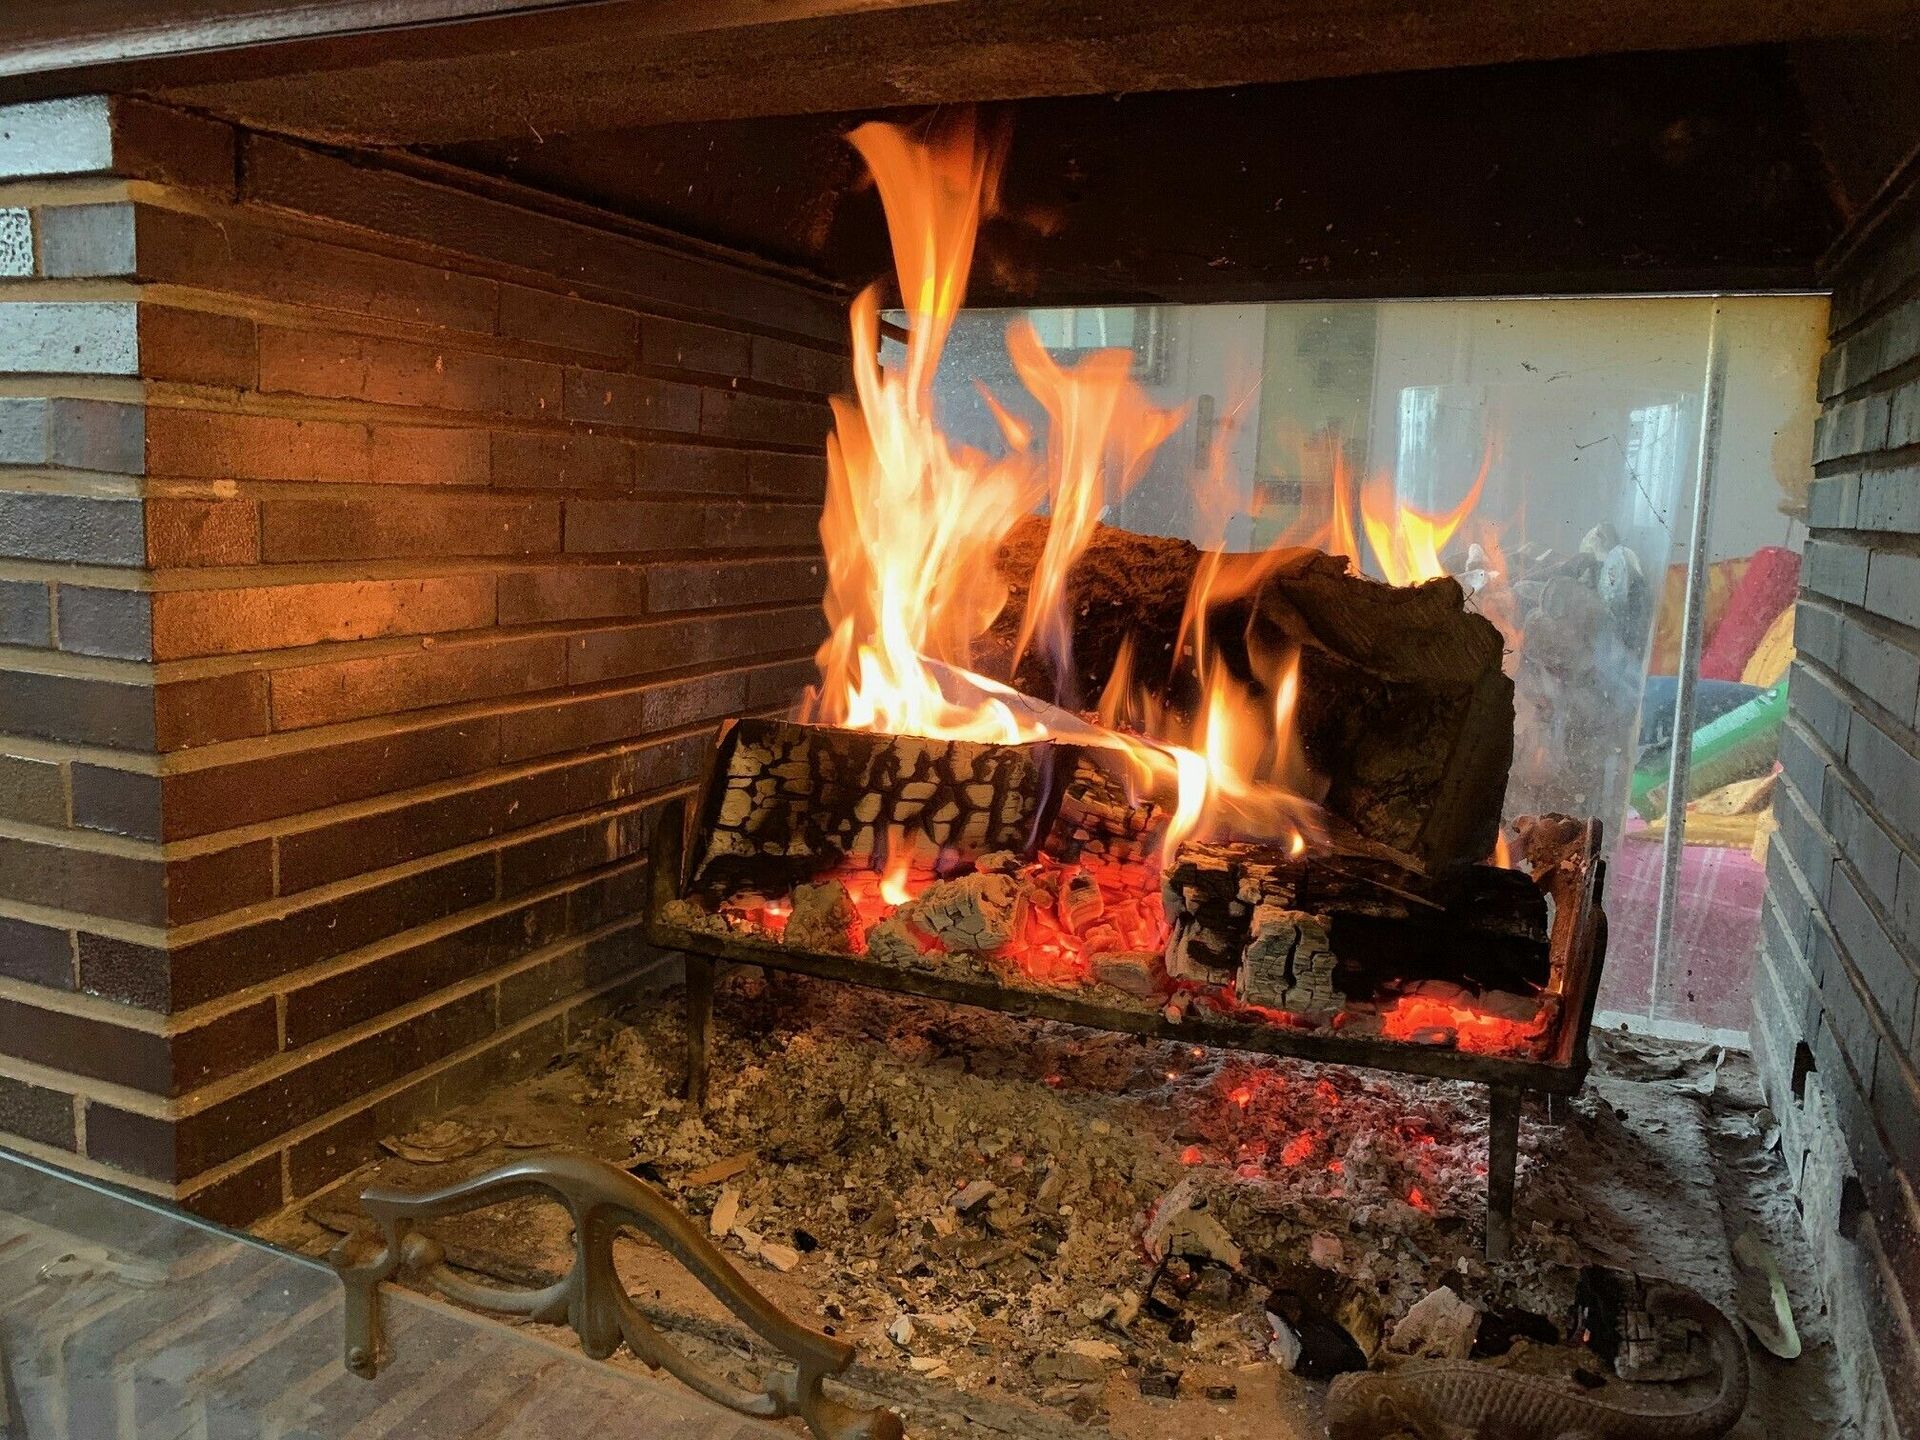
(377, 548)
(1837, 1023)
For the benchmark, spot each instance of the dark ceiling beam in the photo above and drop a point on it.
(411, 72)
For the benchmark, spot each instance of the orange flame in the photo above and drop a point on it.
(1406, 543)
(913, 524)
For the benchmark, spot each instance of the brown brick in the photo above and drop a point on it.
(221, 964)
(31, 790)
(677, 345)
(141, 1059)
(438, 527)
(568, 322)
(251, 1193)
(575, 460)
(602, 527)
(351, 1141)
(602, 397)
(737, 415)
(276, 617)
(573, 592)
(211, 444)
(747, 525)
(339, 366)
(416, 680)
(195, 347)
(124, 970)
(117, 623)
(233, 255)
(45, 1116)
(779, 685)
(681, 644)
(800, 367)
(283, 174)
(584, 967)
(620, 893)
(190, 533)
(575, 724)
(38, 954)
(220, 797)
(87, 882)
(36, 526)
(352, 997)
(424, 827)
(156, 142)
(124, 802)
(711, 584)
(664, 467)
(789, 477)
(190, 713)
(530, 864)
(202, 886)
(25, 617)
(223, 1131)
(85, 711)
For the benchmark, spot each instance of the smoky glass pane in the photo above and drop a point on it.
(1562, 437)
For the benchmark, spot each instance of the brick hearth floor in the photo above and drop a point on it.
(120, 1321)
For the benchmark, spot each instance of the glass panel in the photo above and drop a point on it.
(1579, 420)
(123, 1320)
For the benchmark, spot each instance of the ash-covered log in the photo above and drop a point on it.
(789, 801)
(1403, 707)
(1304, 933)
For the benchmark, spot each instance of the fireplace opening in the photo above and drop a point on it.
(1148, 762)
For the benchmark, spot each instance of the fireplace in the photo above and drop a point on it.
(413, 663)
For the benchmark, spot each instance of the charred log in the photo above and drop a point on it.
(1403, 707)
(1305, 932)
(788, 802)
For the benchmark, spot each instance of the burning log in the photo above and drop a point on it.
(1403, 707)
(1301, 933)
(789, 802)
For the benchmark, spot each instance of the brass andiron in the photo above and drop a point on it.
(603, 1201)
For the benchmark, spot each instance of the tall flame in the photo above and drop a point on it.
(913, 525)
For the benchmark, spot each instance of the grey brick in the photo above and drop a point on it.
(77, 434)
(1816, 632)
(1893, 586)
(1889, 977)
(1803, 766)
(1818, 706)
(16, 242)
(1890, 500)
(72, 527)
(1903, 416)
(1906, 900)
(1844, 1007)
(1883, 670)
(1852, 428)
(1806, 841)
(1886, 771)
(70, 337)
(72, 136)
(1868, 847)
(88, 240)
(25, 617)
(114, 623)
(1833, 503)
(1897, 1107)
(1836, 569)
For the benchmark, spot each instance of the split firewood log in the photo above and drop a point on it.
(1403, 707)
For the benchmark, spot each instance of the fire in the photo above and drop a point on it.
(913, 524)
